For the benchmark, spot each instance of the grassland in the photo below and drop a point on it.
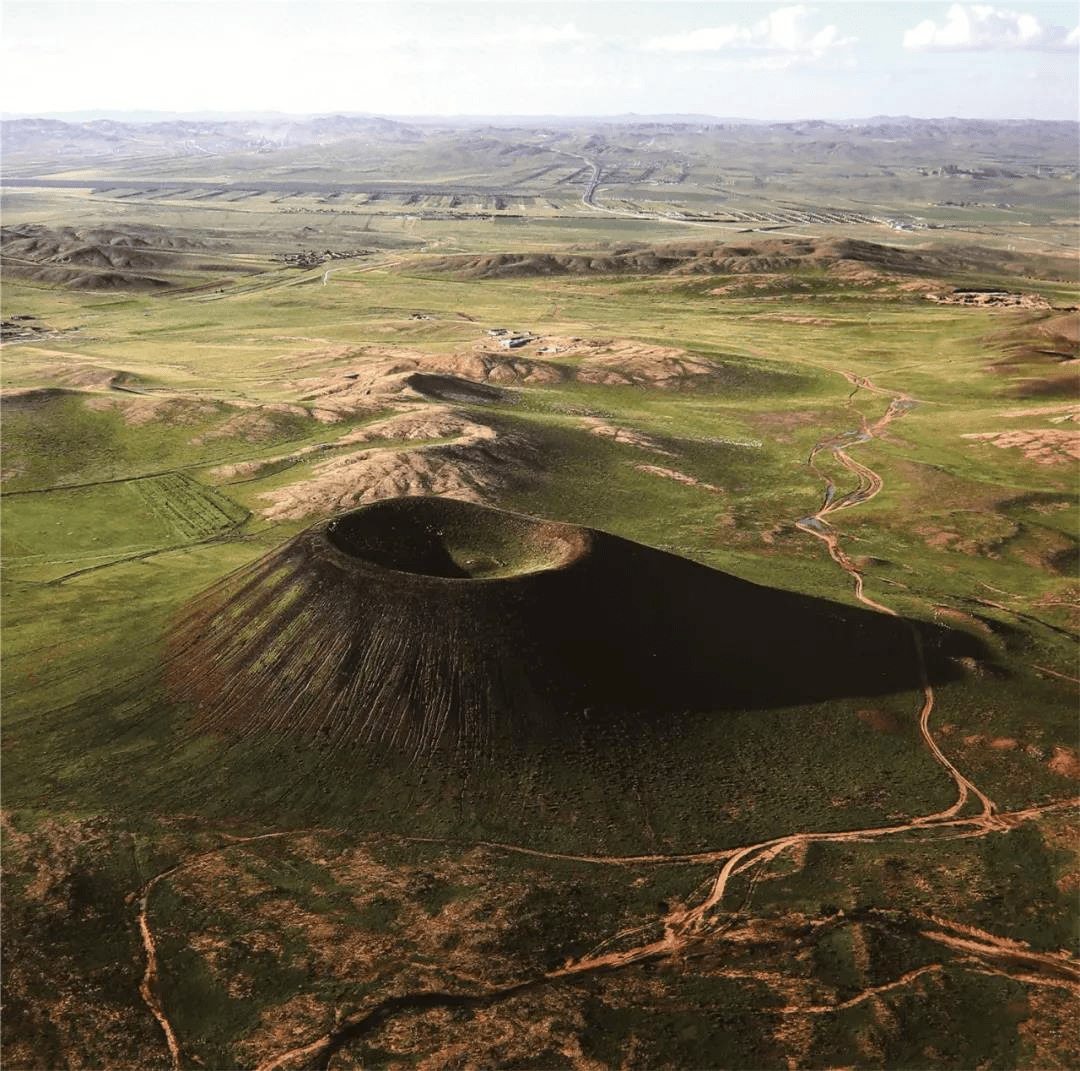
(295, 892)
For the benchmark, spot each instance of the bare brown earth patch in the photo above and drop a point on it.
(1063, 834)
(425, 422)
(395, 930)
(1067, 600)
(485, 366)
(428, 422)
(678, 477)
(972, 532)
(623, 362)
(629, 436)
(138, 410)
(1048, 1030)
(1065, 763)
(252, 422)
(844, 257)
(31, 398)
(378, 375)
(257, 426)
(1068, 411)
(311, 358)
(626, 363)
(86, 1019)
(1044, 446)
(964, 619)
(87, 376)
(779, 425)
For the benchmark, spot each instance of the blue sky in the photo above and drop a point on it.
(590, 57)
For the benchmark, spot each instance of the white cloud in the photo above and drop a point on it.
(785, 30)
(980, 27)
(527, 36)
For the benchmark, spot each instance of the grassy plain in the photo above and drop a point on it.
(407, 910)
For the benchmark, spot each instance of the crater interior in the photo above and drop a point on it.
(454, 540)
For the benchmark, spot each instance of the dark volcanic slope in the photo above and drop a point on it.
(425, 623)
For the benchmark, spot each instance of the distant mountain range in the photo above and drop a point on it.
(627, 118)
(144, 133)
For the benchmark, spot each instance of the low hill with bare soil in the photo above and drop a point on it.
(426, 624)
(381, 375)
(94, 258)
(1051, 339)
(1039, 357)
(712, 257)
(464, 457)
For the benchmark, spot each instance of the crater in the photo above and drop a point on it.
(454, 540)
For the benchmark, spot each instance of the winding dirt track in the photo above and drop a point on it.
(817, 525)
(682, 928)
(686, 926)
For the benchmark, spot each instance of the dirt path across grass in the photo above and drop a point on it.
(869, 485)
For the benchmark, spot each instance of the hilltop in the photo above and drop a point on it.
(712, 257)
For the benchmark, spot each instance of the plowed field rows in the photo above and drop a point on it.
(188, 509)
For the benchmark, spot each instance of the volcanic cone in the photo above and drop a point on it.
(424, 624)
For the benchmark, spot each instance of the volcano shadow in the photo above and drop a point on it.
(423, 624)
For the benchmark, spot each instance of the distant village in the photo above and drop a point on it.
(312, 258)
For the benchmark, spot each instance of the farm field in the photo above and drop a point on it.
(870, 860)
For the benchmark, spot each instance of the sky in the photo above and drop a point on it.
(826, 60)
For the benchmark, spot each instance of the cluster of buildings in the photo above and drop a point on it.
(510, 340)
(313, 258)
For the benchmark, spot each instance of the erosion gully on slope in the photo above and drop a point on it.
(684, 927)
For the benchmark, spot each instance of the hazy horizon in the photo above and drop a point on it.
(756, 61)
(109, 115)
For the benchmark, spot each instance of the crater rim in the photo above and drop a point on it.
(438, 540)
